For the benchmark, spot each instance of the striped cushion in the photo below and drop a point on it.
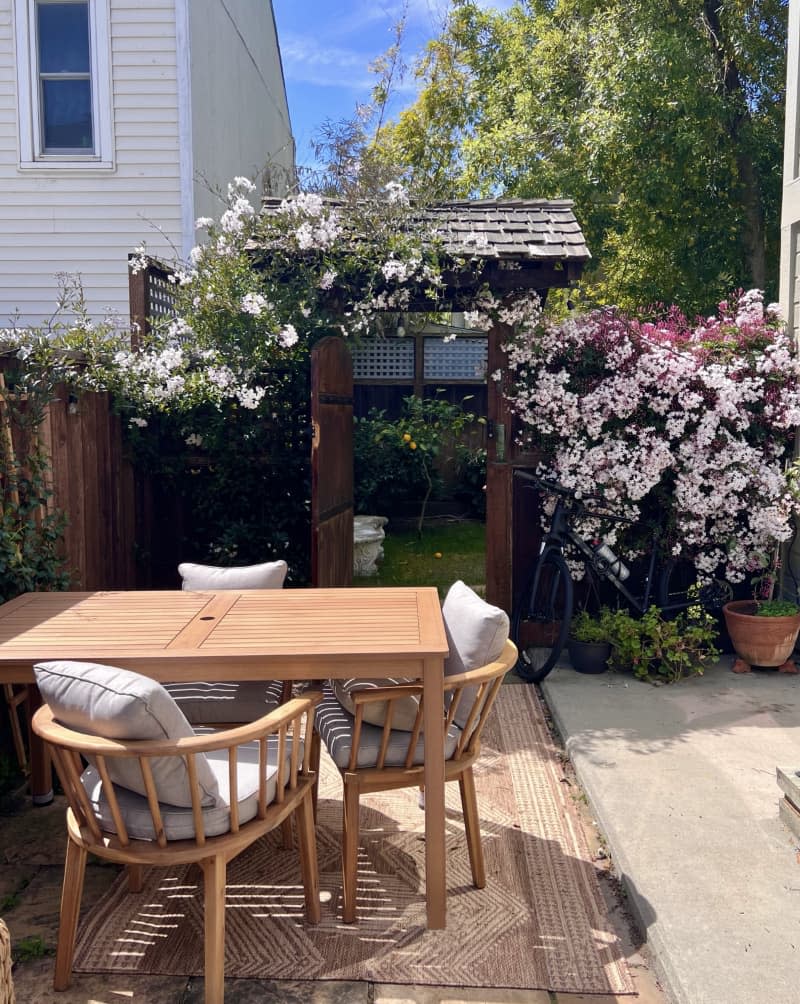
(404, 709)
(335, 726)
(227, 701)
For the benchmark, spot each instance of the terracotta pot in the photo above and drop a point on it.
(760, 641)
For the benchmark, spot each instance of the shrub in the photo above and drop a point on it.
(661, 650)
(592, 627)
(216, 396)
(398, 458)
(471, 479)
(684, 424)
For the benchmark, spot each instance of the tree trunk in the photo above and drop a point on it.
(753, 229)
(752, 232)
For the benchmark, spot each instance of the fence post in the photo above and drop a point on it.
(139, 300)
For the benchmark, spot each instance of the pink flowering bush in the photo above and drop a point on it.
(687, 425)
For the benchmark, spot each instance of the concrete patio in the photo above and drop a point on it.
(682, 782)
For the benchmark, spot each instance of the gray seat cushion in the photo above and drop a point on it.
(225, 701)
(335, 726)
(178, 822)
(114, 703)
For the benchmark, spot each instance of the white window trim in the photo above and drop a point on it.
(31, 156)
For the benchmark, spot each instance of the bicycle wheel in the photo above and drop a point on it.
(678, 587)
(540, 622)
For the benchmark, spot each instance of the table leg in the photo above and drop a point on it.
(41, 768)
(435, 874)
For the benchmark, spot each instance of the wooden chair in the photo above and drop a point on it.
(7, 995)
(230, 702)
(16, 695)
(240, 783)
(372, 758)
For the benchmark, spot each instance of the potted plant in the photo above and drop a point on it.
(589, 642)
(660, 649)
(763, 633)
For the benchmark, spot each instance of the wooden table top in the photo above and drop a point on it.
(168, 634)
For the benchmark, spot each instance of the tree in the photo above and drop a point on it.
(662, 119)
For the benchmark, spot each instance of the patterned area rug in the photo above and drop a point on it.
(539, 923)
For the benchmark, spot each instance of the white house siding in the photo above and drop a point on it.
(240, 119)
(87, 221)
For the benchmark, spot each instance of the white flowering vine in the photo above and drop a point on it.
(688, 425)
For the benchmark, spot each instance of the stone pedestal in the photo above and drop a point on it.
(368, 535)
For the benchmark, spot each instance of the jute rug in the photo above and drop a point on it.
(539, 923)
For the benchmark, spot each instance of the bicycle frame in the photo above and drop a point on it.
(561, 533)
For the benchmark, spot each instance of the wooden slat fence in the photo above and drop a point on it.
(92, 484)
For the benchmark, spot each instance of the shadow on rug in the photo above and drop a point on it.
(539, 924)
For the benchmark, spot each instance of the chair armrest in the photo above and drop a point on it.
(283, 724)
(368, 695)
(45, 725)
(473, 677)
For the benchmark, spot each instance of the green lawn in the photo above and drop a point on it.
(411, 562)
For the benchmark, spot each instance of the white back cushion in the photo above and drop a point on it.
(476, 633)
(270, 575)
(116, 704)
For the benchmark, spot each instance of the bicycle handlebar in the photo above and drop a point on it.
(554, 488)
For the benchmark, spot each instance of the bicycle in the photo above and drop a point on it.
(541, 617)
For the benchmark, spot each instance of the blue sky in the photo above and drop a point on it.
(326, 48)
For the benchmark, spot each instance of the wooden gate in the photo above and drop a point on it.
(331, 463)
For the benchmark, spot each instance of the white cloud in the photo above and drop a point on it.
(309, 59)
(342, 47)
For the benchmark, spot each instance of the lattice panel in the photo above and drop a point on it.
(161, 296)
(384, 359)
(461, 359)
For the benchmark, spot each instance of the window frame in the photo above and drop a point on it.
(32, 155)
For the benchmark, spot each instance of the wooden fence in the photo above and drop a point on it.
(92, 485)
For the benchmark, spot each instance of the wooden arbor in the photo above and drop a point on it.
(510, 246)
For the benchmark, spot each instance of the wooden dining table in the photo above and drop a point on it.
(288, 634)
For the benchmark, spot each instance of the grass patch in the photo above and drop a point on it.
(30, 948)
(409, 561)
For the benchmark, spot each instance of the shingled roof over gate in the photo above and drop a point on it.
(510, 228)
(507, 244)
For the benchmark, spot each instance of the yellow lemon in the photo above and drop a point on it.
(412, 445)
(406, 437)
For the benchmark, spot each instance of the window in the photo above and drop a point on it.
(64, 85)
